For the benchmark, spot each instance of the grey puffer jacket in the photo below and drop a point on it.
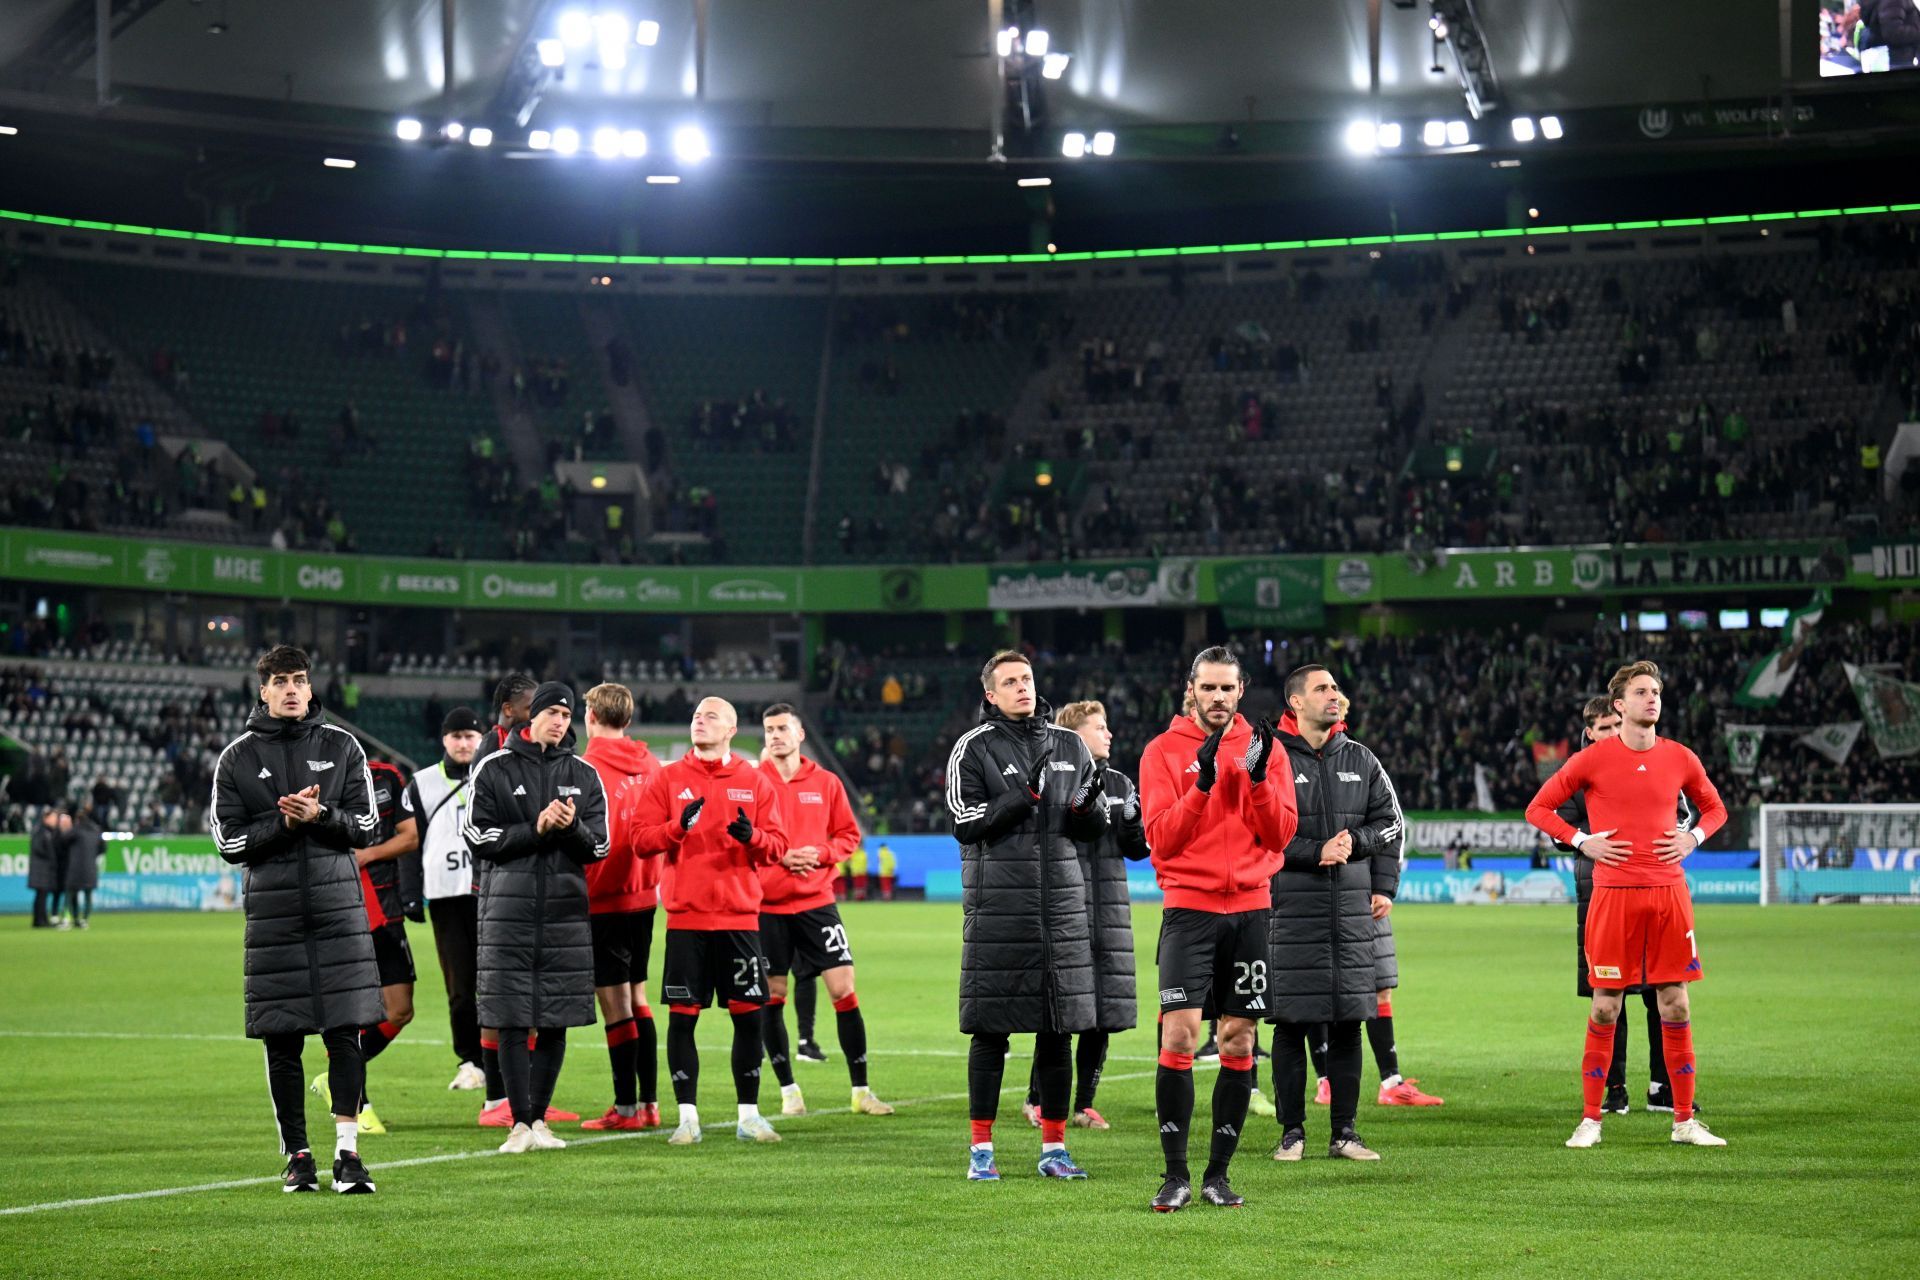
(1321, 934)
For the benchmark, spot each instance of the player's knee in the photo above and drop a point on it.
(778, 987)
(1606, 1013)
(1179, 1037)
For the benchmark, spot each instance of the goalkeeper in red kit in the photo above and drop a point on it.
(1640, 928)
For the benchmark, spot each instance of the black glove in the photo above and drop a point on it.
(1095, 787)
(691, 813)
(1037, 780)
(1259, 751)
(415, 911)
(1206, 757)
(740, 829)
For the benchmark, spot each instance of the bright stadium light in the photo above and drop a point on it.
(552, 52)
(1103, 143)
(1003, 42)
(566, 141)
(1054, 65)
(646, 32)
(337, 162)
(1033, 182)
(1388, 135)
(408, 129)
(1434, 133)
(576, 28)
(1037, 42)
(606, 142)
(690, 144)
(1073, 146)
(1362, 137)
(1550, 128)
(613, 32)
(455, 130)
(633, 143)
(1523, 130)
(1456, 133)
(480, 136)
(539, 140)
(663, 179)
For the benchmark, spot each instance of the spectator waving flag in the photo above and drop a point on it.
(1767, 680)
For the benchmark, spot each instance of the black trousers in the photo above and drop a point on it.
(456, 936)
(287, 1080)
(1290, 1072)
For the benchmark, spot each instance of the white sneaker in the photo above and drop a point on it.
(546, 1139)
(1586, 1134)
(686, 1135)
(865, 1104)
(468, 1077)
(755, 1129)
(1694, 1133)
(791, 1103)
(519, 1142)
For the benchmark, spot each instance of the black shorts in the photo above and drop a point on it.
(806, 943)
(622, 942)
(1214, 963)
(708, 966)
(392, 955)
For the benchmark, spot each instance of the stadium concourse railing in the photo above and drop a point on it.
(1279, 591)
(1517, 247)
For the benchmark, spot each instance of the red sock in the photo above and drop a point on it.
(1593, 1067)
(1386, 1006)
(1676, 1041)
(1053, 1130)
(982, 1132)
(850, 1001)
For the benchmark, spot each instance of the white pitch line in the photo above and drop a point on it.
(449, 1157)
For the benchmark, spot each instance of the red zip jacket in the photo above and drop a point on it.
(818, 815)
(711, 880)
(1215, 851)
(622, 881)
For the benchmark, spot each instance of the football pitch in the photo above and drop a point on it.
(123, 1071)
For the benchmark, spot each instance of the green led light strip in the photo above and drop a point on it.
(952, 260)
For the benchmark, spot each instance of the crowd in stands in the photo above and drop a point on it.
(756, 421)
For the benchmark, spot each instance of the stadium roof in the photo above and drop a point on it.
(867, 118)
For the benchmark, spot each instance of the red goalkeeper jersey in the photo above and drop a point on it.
(1633, 794)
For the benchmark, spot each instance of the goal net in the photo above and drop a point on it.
(1839, 853)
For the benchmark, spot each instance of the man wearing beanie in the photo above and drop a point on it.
(538, 817)
(442, 867)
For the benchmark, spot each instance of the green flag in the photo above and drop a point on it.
(1767, 679)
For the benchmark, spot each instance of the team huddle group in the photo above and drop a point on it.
(1278, 849)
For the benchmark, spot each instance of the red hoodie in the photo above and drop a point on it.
(1215, 851)
(711, 879)
(622, 881)
(818, 815)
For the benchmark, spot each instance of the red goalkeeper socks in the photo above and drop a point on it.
(1676, 1042)
(1593, 1068)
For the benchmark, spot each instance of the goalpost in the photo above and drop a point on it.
(1839, 853)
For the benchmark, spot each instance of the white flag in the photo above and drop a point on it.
(1482, 789)
(1767, 679)
(1834, 741)
(1743, 745)
(1891, 709)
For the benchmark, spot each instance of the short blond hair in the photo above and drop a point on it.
(1075, 714)
(1617, 687)
(611, 704)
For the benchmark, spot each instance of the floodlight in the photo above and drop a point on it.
(1073, 146)
(690, 144)
(1103, 143)
(408, 129)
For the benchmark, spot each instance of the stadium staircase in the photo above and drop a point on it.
(519, 429)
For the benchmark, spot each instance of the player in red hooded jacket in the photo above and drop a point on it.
(800, 926)
(1219, 824)
(622, 891)
(716, 821)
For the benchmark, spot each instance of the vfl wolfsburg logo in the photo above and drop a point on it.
(1588, 570)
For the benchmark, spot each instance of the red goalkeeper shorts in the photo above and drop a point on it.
(1639, 936)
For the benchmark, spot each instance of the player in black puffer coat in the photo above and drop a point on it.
(538, 816)
(1320, 966)
(1103, 865)
(291, 802)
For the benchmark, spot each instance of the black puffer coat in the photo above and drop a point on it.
(1321, 934)
(1026, 952)
(309, 958)
(83, 854)
(46, 852)
(536, 945)
(1103, 865)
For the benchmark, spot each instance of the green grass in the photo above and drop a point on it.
(1805, 1028)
